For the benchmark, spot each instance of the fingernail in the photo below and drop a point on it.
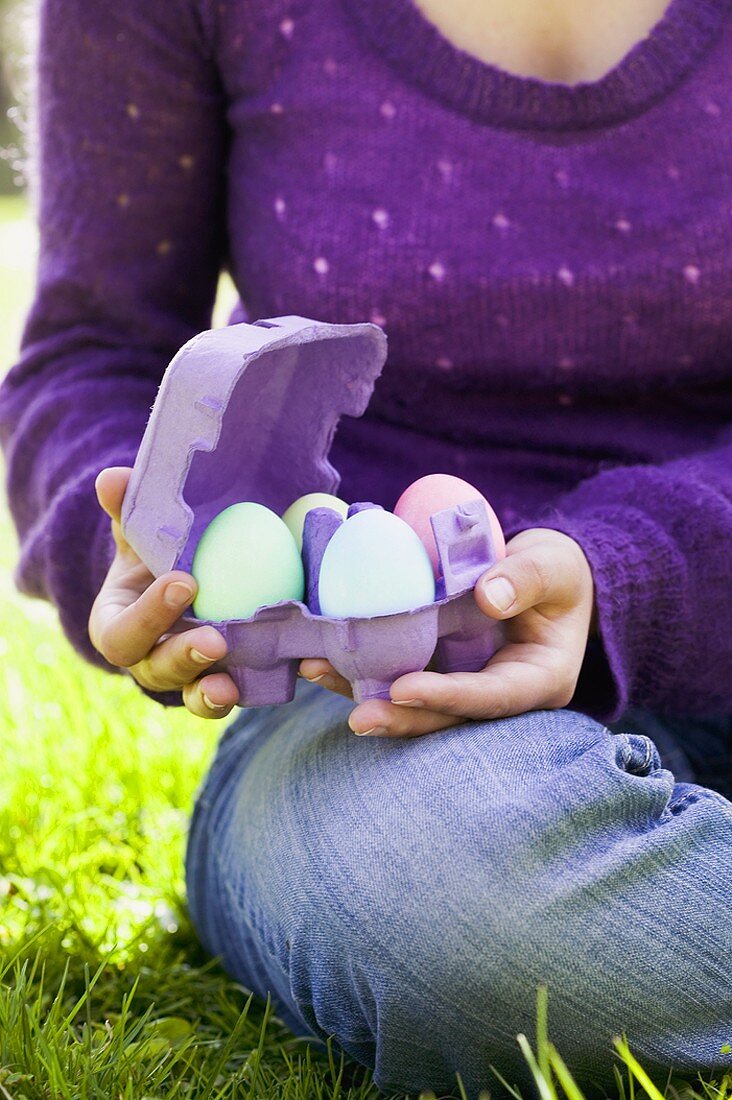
(375, 731)
(211, 705)
(178, 594)
(407, 702)
(200, 658)
(500, 592)
(324, 680)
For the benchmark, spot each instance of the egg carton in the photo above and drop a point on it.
(248, 413)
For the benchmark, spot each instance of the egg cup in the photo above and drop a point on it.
(248, 412)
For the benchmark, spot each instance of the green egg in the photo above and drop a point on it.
(294, 517)
(245, 558)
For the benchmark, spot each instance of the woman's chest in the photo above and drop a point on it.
(560, 40)
(594, 262)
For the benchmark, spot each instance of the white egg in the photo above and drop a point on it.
(374, 564)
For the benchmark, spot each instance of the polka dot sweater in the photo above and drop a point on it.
(552, 265)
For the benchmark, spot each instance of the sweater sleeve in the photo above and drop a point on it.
(130, 145)
(659, 542)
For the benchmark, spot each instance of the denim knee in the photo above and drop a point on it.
(408, 896)
(585, 868)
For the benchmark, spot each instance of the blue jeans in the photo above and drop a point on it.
(408, 896)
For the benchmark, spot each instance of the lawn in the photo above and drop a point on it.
(105, 992)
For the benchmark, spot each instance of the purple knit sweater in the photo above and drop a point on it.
(552, 265)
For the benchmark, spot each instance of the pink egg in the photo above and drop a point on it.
(432, 494)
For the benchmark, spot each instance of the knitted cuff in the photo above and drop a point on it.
(638, 575)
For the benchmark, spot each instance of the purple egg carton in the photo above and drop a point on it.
(248, 412)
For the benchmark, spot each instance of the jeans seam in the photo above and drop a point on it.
(642, 769)
(702, 794)
(644, 766)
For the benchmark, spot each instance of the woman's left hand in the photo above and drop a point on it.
(544, 592)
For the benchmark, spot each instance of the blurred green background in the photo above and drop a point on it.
(16, 30)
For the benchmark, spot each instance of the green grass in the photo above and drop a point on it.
(104, 991)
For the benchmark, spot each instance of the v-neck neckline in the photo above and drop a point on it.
(403, 35)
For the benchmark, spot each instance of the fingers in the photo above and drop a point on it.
(212, 696)
(180, 659)
(543, 568)
(544, 588)
(124, 632)
(126, 627)
(317, 670)
(110, 486)
(518, 678)
(177, 662)
(380, 718)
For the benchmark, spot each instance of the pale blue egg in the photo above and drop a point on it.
(374, 564)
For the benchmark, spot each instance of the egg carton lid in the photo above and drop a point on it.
(244, 412)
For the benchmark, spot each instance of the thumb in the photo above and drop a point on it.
(110, 487)
(523, 579)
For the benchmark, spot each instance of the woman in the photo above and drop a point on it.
(538, 214)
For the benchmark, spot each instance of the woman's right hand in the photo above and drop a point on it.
(134, 610)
